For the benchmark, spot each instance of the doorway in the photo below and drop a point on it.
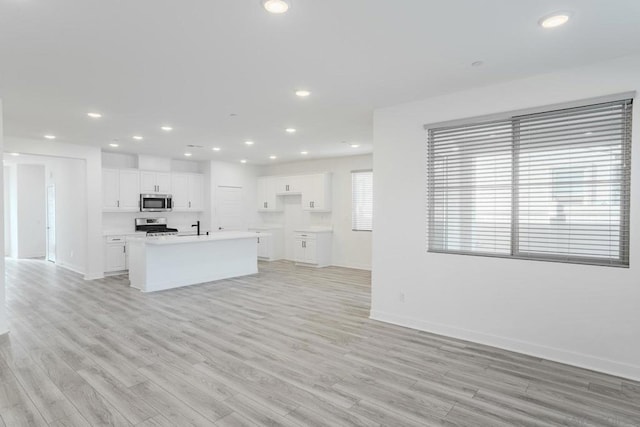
(51, 223)
(229, 207)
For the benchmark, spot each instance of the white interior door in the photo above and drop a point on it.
(229, 208)
(51, 223)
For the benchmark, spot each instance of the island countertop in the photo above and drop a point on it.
(218, 235)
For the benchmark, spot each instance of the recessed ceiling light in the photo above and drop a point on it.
(166, 128)
(276, 6)
(15, 154)
(290, 130)
(304, 153)
(303, 93)
(554, 20)
(94, 115)
(243, 161)
(355, 145)
(588, 133)
(188, 154)
(138, 138)
(216, 148)
(113, 144)
(249, 142)
(272, 157)
(50, 136)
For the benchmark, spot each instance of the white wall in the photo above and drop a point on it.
(349, 248)
(92, 158)
(68, 176)
(581, 315)
(4, 328)
(29, 223)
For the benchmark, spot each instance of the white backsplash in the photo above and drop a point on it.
(124, 221)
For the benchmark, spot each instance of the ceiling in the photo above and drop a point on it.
(191, 64)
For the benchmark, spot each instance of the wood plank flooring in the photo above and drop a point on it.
(291, 346)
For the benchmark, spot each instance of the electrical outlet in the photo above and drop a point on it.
(71, 254)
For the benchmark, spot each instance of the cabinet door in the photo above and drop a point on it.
(116, 259)
(310, 254)
(196, 192)
(316, 195)
(180, 191)
(308, 188)
(263, 246)
(148, 182)
(299, 251)
(261, 194)
(267, 199)
(129, 190)
(163, 183)
(110, 188)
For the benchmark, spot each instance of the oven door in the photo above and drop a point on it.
(155, 202)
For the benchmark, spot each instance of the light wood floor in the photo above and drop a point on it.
(291, 346)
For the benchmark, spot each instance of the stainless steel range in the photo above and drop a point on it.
(155, 227)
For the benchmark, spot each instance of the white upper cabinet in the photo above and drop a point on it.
(188, 192)
(196, 192)
(316, 194)
(129, 190)
(155, 182)
(267, 199)
(180, 191)
(315, 190)
(120, 190)
(289, 184)
(110, 188)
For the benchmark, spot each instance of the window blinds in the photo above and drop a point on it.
(362, 200)
(550, 186)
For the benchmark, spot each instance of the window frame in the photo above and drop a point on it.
(353, 173)
(623, 259)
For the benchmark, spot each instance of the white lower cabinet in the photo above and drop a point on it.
(115, 254)
(270, 243)
(312, 248)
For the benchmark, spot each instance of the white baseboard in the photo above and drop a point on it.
(593, 363)
(93, 276)
(353, 267)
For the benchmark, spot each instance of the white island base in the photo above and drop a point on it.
(167, 262)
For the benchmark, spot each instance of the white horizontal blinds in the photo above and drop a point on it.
(573, 171)
(470, 185)
(362, 200)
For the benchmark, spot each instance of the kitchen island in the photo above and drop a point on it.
(167, 262)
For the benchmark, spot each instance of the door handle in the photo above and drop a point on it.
(118, 203)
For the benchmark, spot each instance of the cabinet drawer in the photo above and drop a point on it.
(116, 239)
(305, 236)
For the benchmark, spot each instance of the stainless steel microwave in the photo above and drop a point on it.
(155, 203)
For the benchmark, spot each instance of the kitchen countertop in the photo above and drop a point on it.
(314, 230)
(266, 227)
(123, 233)
(217, 236)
